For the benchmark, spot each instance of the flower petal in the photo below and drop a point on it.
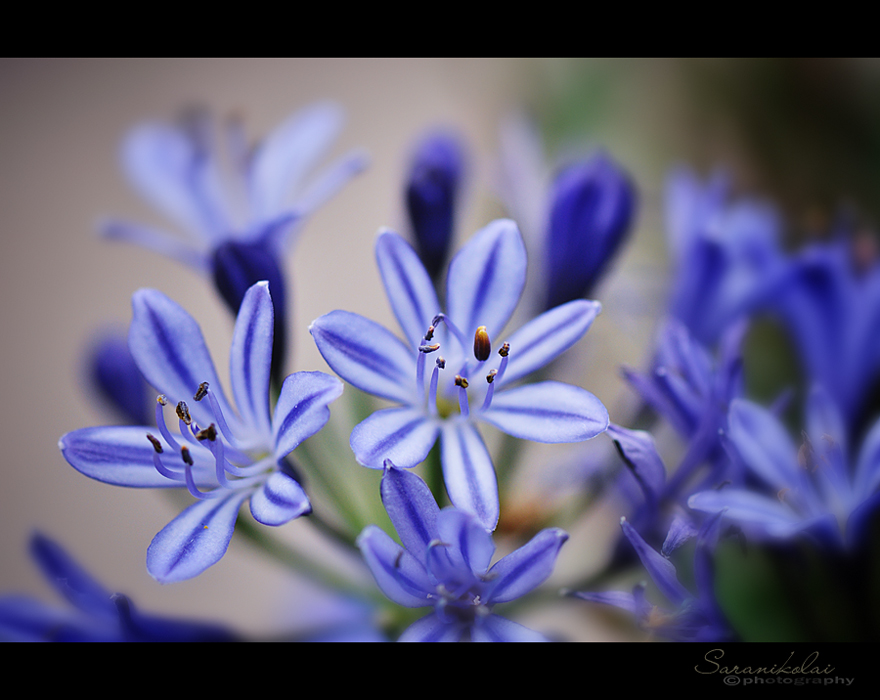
(366, 355)
(195, 539)
(486, 278)
(495, 628)
(432, 628)
(764, 444)
(619, 599)
(548, 412)
(746, 507)
(411, 508)
(526, 568)
(156, 240)
(279, 500)
(638, 449)
(662, 570)
(170, 352)
(469, 473)
(402, 435)
(400, 576)
(123, 456)
(302, 410)
(470, 546)
(407, 285)
(546, 337)
(250, 359)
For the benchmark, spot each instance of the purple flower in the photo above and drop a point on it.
(112, 373)
(693, 618)
(468, 381)
(431, 192)
(808, 489)
(444, 564)
(97, 615)
(222, 457)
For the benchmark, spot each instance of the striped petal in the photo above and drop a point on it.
(402, 435)
(400, 576)
(302, 408)
(495, 628)
(250, 359)
(469, 473)
(279, 500)
(525, 569)
(411, 508)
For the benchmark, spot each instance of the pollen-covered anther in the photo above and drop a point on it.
(482, 344)
(461, 381)
(429, 348)
(504, 350)
(441, 362)
(202, 392)
(430, 333)
(491, 376)
(183, 413)
(162, 400)
(185, 455)
(209, 433)
(155, 443)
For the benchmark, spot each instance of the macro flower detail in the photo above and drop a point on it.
(97, 615)
(222, 457)
(450, 373)
(444, 564)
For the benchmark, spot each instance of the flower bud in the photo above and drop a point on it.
(592, 206)
(431, 191)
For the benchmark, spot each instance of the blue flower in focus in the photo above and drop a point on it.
(693, 618)
(468, 382)
(809, 490)
(726, 256)
(97, 616)
(574, 223)
(239, 206)
(431, 192)
(222, 457)
(444, 564)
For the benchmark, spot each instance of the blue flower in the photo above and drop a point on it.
(221, 457)
(467, 382)
(239, 208)
(727, 260)
(444, 564)
(112, 373)
(98, 615)
(431, 192)
(693, 618)
(808, 490)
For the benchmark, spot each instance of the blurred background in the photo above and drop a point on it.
(803, 133)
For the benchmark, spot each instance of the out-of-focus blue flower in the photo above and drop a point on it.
(431, 196)
(592, 206)
(113, 373)
(444, 564)
(468, 382)
(832, 311)
(726, 256)
(809, 490)
(239, 206)
(575, 223)
(693, 392)
(236, 456)
(97, 616)
(693, 618)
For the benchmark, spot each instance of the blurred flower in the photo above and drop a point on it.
(726, 256)
(239, 206)
(238, 457)
(809, 490)
(97, 616)
(113, 374)
(444, 564)
(484, 283)
(693, 618)
(431, 193)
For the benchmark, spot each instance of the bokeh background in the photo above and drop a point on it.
(801, 132)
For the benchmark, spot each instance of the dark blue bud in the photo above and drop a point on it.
(112, 372)
(592, 206)
(239, 266)
(431, 192)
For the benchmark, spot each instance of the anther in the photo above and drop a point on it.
(504, 350)
(482, 344)
(187, 457)
(155, 443)
(461, 381)
(441, 362)
(429, 348)
(202, 392)
(162, 400)
(491, 376)
(209, 433)
(183, 413)
(430, 333)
